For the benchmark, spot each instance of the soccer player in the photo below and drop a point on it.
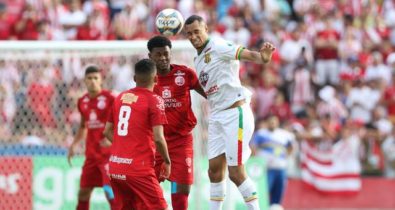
(94, 108)
(231, 122)
(135, 124)
(174, 85)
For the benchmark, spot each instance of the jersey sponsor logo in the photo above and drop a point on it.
(161, 104)
(92, 116)
(203, 78)
(166, 93)
(212, 90)
(119, 160)
(207, 58)
(118, 176)
(85, 100)
(101, 104)
(180, 81)
(179, 73)
(129, 98)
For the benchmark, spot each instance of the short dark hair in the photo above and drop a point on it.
(158, 41)
(193, 18)
(92, 69)
(144, 67)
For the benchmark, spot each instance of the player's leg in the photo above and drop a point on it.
(89, 180)
(123, 195)
(240, 127)
(181, 176)
(278, 187)
(217, 163)
(84, 195)
(147, 193)
(103, 168)
(179, 195)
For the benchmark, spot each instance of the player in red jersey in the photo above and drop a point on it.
(135, 124)
(174, 85)
(94, 107)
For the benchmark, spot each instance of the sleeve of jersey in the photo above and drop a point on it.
(229, 51)
(194, 81)
(157, 112)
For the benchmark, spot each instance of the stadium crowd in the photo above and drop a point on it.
(333, 71)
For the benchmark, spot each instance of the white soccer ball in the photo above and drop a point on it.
(169, 22)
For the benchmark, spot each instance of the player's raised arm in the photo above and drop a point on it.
(263, 56)
(161, 146)
(81, 133)
(109, 131)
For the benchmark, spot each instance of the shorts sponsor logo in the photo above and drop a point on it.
(119, 160)
(118, 176)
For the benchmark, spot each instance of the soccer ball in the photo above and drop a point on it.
(169, 22)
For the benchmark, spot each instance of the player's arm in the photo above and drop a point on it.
(109, 131)
(263, 56)
(161, 146)
(81, 133)
(200, 90)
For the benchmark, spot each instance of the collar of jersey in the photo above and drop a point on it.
(205, 45)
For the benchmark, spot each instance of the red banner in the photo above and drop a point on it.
(16, 182)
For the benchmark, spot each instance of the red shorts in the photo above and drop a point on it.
(137, 192)
(181, 157)
(94, 174)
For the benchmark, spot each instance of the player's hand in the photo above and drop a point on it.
(70, 154)
(105, 143)
(164, 172)
(266, 51)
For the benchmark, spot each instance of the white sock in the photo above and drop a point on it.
(248, 191)
(217, 195)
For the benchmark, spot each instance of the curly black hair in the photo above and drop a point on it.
(158, 41)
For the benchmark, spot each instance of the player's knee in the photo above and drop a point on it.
(237, 175)
(216, 175)
(84, 194)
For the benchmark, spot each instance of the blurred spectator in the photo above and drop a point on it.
(6, 23)
(326, 52)
(237, 33)
(122, 74)
(274, 144)
(26, 27)
(280, 108)
(388, 147)
(377, 70)
(125, 23)
(9, 83)
(71, 19)
(330, 105)
(88, 32)
(360, 108)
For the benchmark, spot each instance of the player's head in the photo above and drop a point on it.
(160, 52)
(196, 31)
(145, 73)
(93, 79)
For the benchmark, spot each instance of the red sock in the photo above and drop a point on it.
(179, 201)
(113, 204)
(83, 205)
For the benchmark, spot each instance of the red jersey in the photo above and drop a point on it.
(175, 90)
(389, 96)
(133, 115)
(327, 53)
(95, 112)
